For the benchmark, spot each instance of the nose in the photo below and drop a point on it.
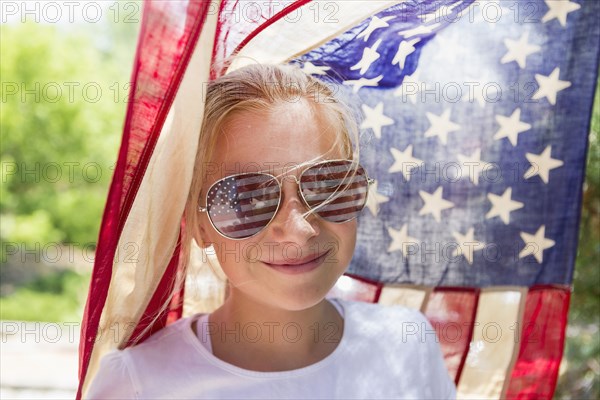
(289, 224)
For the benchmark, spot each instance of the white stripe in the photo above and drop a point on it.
(288, 37)
(411, 297)
(494, 344)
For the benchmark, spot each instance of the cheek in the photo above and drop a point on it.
(346, 233)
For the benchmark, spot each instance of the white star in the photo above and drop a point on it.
(374, 24)
(466, 245)
(404, 161)
(536, 244)
(541, 164)
(375, 119)
(374, 199)
(474, 165)
(400, 240)
(362, 82)
(559, 9)
(549, 86)
(369, 56)
(419, 30)
(434, 203)
(510, 127)
(518, 50)
(409, 88)
(311, 69)
(405, 48)
(441, 126)
(503, 205)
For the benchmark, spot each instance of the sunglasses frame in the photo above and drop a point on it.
(370, 181)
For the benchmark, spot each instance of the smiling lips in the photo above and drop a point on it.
(305, 264)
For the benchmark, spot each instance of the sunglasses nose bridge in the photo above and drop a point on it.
(298, 190)
(290, 222)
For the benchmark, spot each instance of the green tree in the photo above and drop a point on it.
(63, 103)
(581, 379)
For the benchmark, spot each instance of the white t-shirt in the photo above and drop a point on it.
(386, 352)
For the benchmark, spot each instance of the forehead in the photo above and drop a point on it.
(289, 134)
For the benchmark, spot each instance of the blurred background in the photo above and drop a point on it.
(65, 74)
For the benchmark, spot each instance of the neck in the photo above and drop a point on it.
(262, 337)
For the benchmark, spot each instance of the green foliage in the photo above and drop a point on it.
(60, 125)
(55, 297)
(581, 379)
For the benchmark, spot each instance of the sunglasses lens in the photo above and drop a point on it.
(340, 186)
(240, 206)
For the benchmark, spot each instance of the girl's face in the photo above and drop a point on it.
(276, 141)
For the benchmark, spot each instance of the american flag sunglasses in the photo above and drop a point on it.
(240, 206)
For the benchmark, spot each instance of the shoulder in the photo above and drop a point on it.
(400, 337)
(169, 332)
(175, 337)
(122, 373)
(402, 325)
(395, 328)
(113, 379)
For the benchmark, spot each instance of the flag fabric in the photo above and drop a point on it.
(474, 120)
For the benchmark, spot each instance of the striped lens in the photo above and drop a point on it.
(336, 190)
(240, 206)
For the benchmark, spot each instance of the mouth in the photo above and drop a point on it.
(300, 267)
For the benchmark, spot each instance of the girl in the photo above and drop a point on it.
(276, 192)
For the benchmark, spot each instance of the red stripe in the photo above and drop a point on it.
(542, 341)
(362, 289)
(451, 312)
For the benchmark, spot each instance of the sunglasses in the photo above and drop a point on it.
(240, 206)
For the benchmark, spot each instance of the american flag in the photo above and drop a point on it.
(474, 119)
